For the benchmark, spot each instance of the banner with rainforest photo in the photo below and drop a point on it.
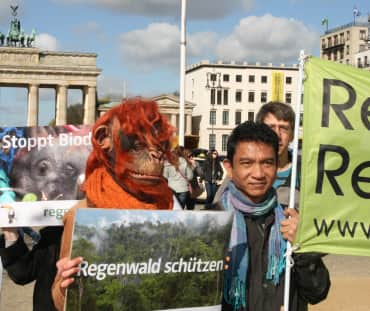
(138, 260)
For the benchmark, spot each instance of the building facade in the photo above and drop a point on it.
(168, 105)
(227, 94)
(363, 59)
(343, 44)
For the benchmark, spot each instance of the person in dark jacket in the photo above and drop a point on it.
(255, 273)
(212, 175)
(25, 266)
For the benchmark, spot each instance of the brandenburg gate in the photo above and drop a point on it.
(22, 65)
(33, 69)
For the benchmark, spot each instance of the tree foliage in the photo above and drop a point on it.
(75, 115)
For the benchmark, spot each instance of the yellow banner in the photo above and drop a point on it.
(335, 193)
(277, 85)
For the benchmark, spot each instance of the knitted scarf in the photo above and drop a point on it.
(238, 256)
(102, 191)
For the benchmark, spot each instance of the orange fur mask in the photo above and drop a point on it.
(130, 142)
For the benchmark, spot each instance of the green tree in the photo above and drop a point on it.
(75, 115)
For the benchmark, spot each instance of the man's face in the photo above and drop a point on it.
(253, 169)
(283, 129)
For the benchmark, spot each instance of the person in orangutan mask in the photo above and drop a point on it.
(124, 170)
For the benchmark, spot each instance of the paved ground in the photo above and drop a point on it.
(15, 297)
(350, 277)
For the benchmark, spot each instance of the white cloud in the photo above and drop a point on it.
(203, 9)
(201, 43)
(267, 39)
(46, 42)
(264, 39)
(158, 45)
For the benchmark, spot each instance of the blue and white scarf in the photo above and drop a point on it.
(238, 254)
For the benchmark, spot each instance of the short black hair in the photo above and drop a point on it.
(280, 110)
(251, 132)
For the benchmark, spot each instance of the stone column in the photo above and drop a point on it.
(188, 124)
(173, 119)
(33, 105)
(89, 104)
(61, 105)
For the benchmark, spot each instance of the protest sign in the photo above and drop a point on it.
(334, 198)
(142, 260)
(39, 164)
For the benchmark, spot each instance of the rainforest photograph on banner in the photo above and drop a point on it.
(149, 260)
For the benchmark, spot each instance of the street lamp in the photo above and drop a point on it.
(214, 85)
(213, 80)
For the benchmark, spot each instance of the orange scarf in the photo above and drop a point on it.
(103, 192)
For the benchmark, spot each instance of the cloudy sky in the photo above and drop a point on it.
(137, 42)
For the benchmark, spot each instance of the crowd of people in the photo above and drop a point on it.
(183, 171)
(132, 166)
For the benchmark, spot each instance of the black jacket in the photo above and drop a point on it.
(24, 265)
(310, 280)
(212, 171)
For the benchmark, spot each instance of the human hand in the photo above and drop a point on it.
(66, 268)
(289, 226)
(10, 233)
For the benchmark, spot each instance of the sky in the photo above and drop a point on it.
(138, 41)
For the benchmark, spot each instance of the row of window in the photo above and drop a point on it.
(225, 117)
(338, 54)
(361, 64)
(335, 40)
(339, 39)
(212, 142)
(251, 78)
(222, 97)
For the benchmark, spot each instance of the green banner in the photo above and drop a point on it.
(335, 193)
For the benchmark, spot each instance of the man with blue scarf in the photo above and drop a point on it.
(254, 274)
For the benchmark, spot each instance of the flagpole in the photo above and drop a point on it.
(182, 74)
(288, 263)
